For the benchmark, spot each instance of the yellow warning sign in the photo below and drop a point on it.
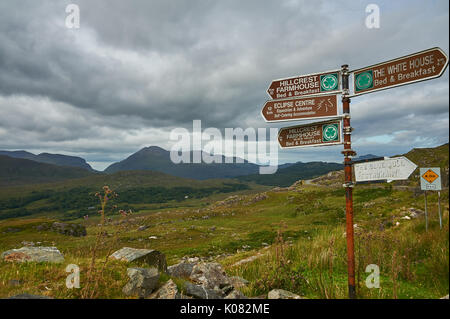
(430, 176)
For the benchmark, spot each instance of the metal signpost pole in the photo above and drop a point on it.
(348, 153)
(426, 212)
(439, 206)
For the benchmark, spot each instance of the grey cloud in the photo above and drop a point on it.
(140, 65)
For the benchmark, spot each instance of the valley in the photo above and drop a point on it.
(275, 237)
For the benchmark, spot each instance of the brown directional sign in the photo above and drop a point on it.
(421, 66)
(310, 84)
(314, 107)
(313, 134)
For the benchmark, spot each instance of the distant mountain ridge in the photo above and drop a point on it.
(365, 157)
(158, 159)
(19, 171)
(48, 158)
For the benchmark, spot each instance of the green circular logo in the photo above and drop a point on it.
(330, 132)
(364, 80)
(329, 82)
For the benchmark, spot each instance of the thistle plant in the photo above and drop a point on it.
(95, 276)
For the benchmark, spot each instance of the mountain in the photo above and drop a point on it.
(365, 157)
(55, 159)
(158, 159)
(428, 157)
(286, 176)
(18, 171)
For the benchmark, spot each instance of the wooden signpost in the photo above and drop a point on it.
(313, 134)
(309, 84)
(420, 66)
(389, 169)
(305, 96)
(314, 107)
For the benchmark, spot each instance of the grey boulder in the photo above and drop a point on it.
(142, 282)
(181, 270)
(200, 292)
(167, 291)
(34, 254)
(151, 257)
(210, 275)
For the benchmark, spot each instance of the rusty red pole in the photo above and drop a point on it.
(348, 153)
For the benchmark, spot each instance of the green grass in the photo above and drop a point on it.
(314, 265)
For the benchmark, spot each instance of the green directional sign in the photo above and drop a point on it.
(329, 82)
(364, 81)
(330, 133)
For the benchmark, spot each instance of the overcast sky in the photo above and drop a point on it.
(135, 70)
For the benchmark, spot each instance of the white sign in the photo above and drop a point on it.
(389, 169)
(430, 178)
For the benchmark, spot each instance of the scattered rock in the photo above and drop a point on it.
(201, 292)
(76, 230)
(142, 282)
(238, 282)
(151, 257)
(280, 189)
(181, 270)
(12, 230)
(28, 296)
(282, 294)
(257, 198)
(415, 213)
(168, 291)
(229, 201)
(236, 294)
(209, 275)
(15, 282)
(368, 204)
(36, 254)
(27, 243)
(142, 228)
(68, 229)
(191, 260)
(296, 184)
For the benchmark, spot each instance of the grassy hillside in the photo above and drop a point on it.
(292, 239)
(17, 171)
(428, 157)
(74, 198)
(304, 230)
(287, 176)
